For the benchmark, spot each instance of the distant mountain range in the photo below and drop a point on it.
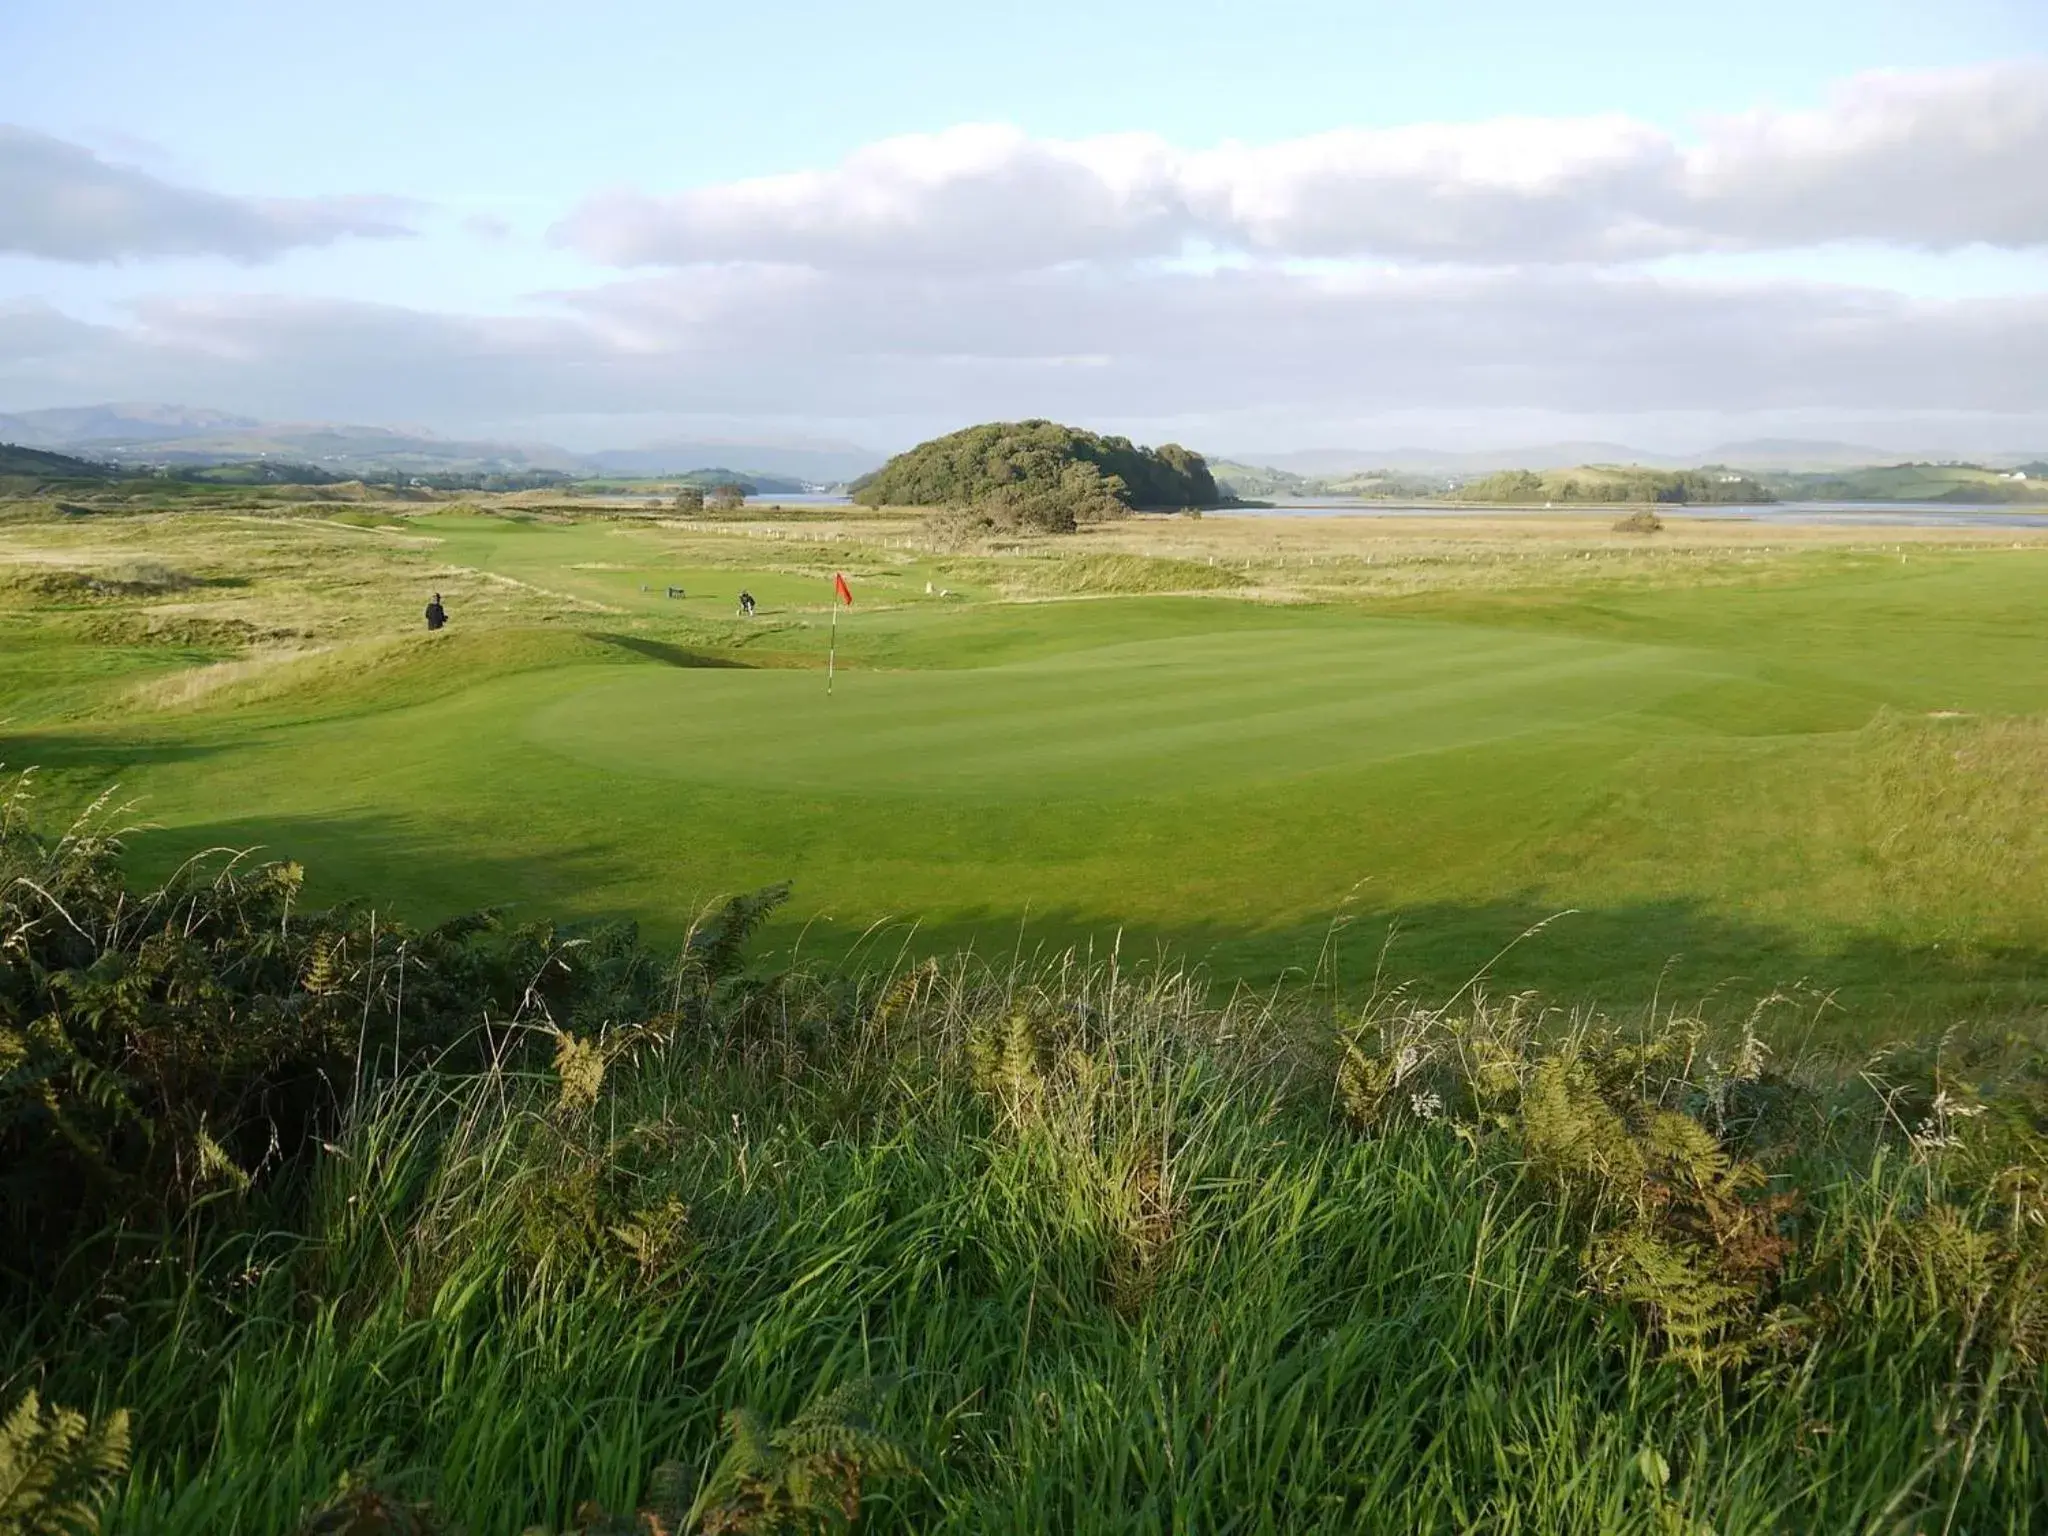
(181, 436)
(813, 465)
(188, 437)
(76, 425)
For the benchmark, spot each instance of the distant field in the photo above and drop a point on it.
(1963, 484)
(1741, 759)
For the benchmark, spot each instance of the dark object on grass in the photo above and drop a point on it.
(436, 614)
(747, 604)
(676, 592)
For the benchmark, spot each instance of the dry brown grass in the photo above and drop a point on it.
(1338, 557)
(312, 579)
(198, 685)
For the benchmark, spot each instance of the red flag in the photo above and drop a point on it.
(841, 589)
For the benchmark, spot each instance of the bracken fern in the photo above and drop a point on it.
(809, 1475)
(56, 1469)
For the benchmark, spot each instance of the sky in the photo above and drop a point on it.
(1248, 227)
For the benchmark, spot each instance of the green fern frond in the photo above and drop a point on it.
(716, 947)
(57, 1470)
(322, 975)
(1572, 1135)
(751, 1452)
(1696, 1314)
(1364, 1082)
(806, 1476)
(1009, 1062)
(215, 1166)
(1686, 1148)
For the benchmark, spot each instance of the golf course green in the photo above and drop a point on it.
(1508, 1024)
(1821, 770)
(1218, 714)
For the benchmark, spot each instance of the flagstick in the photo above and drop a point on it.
(832, 653)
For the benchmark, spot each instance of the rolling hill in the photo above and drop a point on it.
(45, 465)
(1962, 484)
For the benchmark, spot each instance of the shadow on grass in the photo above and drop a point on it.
(400, 866)
(1620, 959)
(63, 752)
(665, 653)
(1840, 986)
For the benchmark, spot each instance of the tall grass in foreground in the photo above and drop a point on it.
(1064, 1247)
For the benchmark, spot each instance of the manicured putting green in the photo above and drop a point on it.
(1153, 717)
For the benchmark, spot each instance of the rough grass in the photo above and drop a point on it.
(1122, 1260)
(1092, 575)
(368, 675)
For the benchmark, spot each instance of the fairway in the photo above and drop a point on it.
(1206, 712)
(1734, 761)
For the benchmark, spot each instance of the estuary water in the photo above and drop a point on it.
(1880, 514)
(1895, 514)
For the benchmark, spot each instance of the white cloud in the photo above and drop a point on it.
(975, 196)
(1934, 160)
(1587, 268)
(1227, 346)
(1938, 159)
(62, 202)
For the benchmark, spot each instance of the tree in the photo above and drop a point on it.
(729, 497)
(1041, 474)
(690, 499)
(1506, 485)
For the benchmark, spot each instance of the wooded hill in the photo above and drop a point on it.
(41, 462)
(1039, 474)
(1612, 483)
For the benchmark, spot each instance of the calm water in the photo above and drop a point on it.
(1896, 514)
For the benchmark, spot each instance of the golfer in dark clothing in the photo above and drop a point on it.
(747, 604)
(436, 614)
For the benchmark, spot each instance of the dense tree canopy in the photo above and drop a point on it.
(1617, 483)
(1040, 474)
